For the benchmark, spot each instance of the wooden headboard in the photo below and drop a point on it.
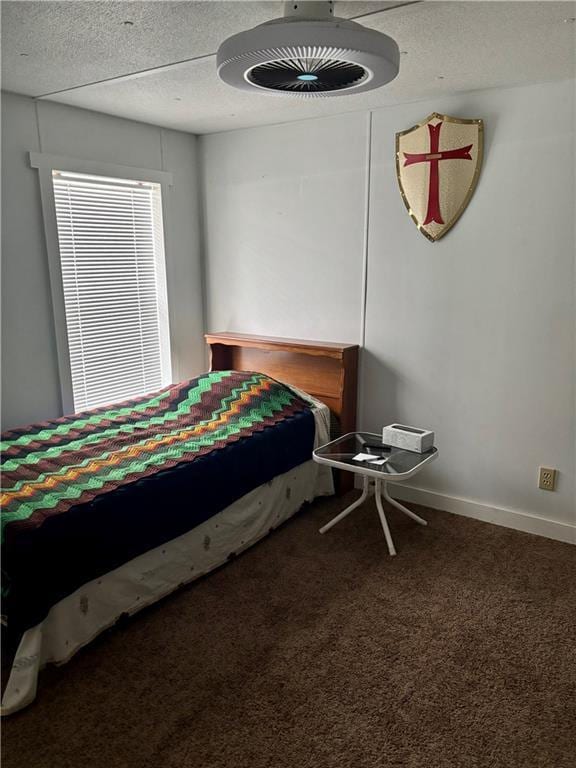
(325, 370)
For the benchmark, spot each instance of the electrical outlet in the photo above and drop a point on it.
(547, 479)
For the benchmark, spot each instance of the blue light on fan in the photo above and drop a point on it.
(307, 78)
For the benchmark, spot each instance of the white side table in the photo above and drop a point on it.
(394, 465)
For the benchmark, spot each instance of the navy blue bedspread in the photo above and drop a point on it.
(92, 538)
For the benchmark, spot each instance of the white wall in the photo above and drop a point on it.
(30, 383)
(472, 336)
(284, 210)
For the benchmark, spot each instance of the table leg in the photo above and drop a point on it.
(381, 491)
(401, 507)
(381, 487)
(360, 500)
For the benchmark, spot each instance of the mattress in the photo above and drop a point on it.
(96, 557)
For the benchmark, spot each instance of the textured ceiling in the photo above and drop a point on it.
(449, 46)
(76, 42)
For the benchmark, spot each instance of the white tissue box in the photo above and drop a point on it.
(408, 438)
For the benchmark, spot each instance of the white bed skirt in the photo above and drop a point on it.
(80, 617)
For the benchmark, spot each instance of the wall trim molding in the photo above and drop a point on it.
(508, 518)
(45, 160)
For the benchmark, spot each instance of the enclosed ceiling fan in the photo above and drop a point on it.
(309, 52)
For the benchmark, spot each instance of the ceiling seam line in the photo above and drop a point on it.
(127, 76)
(385, 10)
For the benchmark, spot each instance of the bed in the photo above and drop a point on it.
(108, 511)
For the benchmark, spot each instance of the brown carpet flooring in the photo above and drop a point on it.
(317, 651)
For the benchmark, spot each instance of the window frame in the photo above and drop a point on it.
(46, 163)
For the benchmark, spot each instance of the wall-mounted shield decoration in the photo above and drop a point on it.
(438, 163)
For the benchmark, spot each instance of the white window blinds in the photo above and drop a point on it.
(113, 273)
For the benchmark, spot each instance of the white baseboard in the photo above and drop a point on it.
(509, 518)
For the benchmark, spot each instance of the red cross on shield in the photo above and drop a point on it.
(438, 163)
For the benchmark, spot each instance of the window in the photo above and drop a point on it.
(111, 245)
